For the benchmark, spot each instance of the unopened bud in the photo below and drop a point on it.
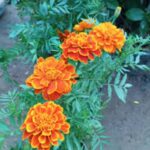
(117, 12)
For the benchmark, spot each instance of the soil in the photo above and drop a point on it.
(127, 125)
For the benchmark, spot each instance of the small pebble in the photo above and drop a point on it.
(136, 102)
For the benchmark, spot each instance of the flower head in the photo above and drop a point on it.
(85, 24)
(109, 37)
(52, 78)
(44, 125)
(80, 47)
(62, 35)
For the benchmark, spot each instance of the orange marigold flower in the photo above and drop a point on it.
(52, 78)
(85, 24)
(44, 125)
(62, 35)
(109, 37)
(80, 47)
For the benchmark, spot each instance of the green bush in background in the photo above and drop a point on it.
(135, 16)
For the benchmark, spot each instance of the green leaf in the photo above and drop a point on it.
(17, 30)
(24, 87)
(69, 143)
(112, 4)
(123, 81)
(62, 3)
(117, 79)
(137, 60)
(78, 107)
(4, 128)
(109, 90)
(52, 2)
(135, 14)
(44, 9)
(77, 143)
(144, 67)
(120, 93)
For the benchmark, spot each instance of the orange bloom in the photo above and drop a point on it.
(109, 37)
(44, 125)
(52, 78)
(62, 35)
(87, 24)
(80, 47)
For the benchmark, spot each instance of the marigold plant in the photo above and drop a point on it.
(85, 24)
(51, 77)
(80, 47)
(109, 37)
(44, 125)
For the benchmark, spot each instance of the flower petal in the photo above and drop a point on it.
(34, 141)
(42, 139)
(52, 87)
(30, 127)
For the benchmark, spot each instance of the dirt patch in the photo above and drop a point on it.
(128, 124)
(7, 20)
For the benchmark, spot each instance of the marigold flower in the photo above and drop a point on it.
(85, 24)
(52, 78)
(45, 125)
(109, 37)
(62, 35)
(80, 47)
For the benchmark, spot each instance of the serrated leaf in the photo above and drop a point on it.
(96, 145)
(123, 81)
(56, 10)
(78, 107)
(63, 10)
(34, 58)
(143, 67)
(17, 30)
(44, 9)
(137, 59)
(117, 79)
(62, 3)
(120, 93)
(52, 2)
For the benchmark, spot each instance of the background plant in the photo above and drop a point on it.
(135, 16)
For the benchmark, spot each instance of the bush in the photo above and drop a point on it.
(74, 62)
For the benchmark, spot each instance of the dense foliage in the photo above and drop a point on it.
(135, 16)
(83, 106)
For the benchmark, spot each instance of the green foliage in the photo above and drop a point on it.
(83, 106)
(135, 16)
(39, 36)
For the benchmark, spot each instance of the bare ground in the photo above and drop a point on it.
(126, 124)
